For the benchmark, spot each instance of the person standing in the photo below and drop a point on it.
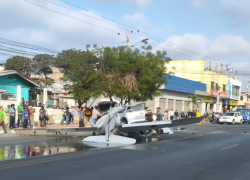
(165, 115)
(82, 114)
(25, 117)
(28, 109)
(158, 118)
(7, 114)
(67, 115)
(183, 115)
(31, 112)
(176, 114)
(71, 117)
(96, 114)
(49, 112)
(12, 116)
(20, 115)
(171, 113)
(2, 118)
(76, 115)
(42, 117)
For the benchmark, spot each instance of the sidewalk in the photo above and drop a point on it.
(52, 126)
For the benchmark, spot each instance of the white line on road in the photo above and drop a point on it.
(229, 147)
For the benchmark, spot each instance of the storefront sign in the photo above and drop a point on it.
(208, 99)
(233, 103)
(223, 94)
(214, 93)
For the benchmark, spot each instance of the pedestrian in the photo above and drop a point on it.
(96, 115)
(75, 113)
(42, 118)
(165, 115)
(28, 109)
(158, 118)
(171, 113)
(20, 115)
(198, 114)
(176, 114)
(183, 115)
(82, 112)
(88, 115)
(189, 114)
(67, 115)
(12, 116)
(2, 118)
(71, 118)
(7, 114)
(31, 112)
(25, 117)
(50, 113)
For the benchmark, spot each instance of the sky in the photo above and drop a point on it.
(214, 30)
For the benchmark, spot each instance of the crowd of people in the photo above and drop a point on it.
(25, 116)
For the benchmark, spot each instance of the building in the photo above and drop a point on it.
(244, 100)
(14, 88)
(56, 75)
(223, 91)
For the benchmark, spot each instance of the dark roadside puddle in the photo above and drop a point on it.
(62, 145)
(42, 148)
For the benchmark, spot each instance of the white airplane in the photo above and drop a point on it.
(109, 128)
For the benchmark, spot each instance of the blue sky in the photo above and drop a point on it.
(218, 30)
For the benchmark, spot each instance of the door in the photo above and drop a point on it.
(136, 114)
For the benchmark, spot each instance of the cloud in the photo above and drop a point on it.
(136, 18)
(197, 3)
(27, 23)
(195, 46)
(138, 3)
(229, 44)
(236, 11)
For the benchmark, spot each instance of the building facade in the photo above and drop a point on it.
(222, 91)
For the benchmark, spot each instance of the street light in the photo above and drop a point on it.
(144, 40)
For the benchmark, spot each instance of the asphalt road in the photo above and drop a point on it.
(198, 152)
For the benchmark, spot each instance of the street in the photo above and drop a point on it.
(197, 152)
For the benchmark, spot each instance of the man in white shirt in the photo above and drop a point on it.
(50, 113)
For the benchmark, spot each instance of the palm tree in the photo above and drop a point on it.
(194, 100)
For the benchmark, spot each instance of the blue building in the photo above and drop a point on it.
(174, 95)
(9, 80)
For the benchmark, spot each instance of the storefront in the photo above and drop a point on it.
(233, 105)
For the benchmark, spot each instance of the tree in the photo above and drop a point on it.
(120, 73)
(42, 65)
(194, 100)
(20, 64)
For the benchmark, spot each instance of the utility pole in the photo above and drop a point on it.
(128, 35)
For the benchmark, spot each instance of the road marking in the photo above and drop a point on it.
(229, 147)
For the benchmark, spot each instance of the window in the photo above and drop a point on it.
(212, 85)
(217, 87)
(241, 98)
(224, 88)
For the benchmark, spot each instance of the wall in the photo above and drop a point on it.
(195, 70)
(233, 82)
(9, 83)
(183, 85)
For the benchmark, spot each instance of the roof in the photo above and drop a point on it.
(8, 72)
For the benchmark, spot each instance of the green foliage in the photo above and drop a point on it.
(117, 72)
(194, 100)
(20, 64)
(42, 65)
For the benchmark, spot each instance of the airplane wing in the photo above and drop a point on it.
(157, 124)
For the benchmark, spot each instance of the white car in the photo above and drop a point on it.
(133, 114)
(231, 117)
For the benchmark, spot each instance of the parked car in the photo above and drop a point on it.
(133, 114)
(231, 118)
(245, 114)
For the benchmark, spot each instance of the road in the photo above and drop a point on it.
(198, 152)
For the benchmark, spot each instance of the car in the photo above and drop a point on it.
(245, 114)
(133, 114)
(231, 118)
